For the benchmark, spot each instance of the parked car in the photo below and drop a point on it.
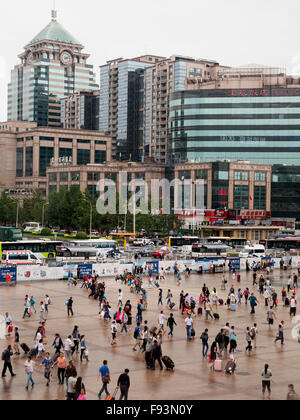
(161, 252)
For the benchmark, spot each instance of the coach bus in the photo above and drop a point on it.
(183, 242)
(209, 250)
(40, 249)
(285, 244)
(235, 243)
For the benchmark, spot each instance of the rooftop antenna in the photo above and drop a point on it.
(54, 12)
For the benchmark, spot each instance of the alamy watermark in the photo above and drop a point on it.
(154, 197)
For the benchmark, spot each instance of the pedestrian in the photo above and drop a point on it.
(47, 302)
(6, 355)
(27, 307)
(68, 348)
(137, 336)
(233, 342)
(213, 355)
(189, 325)
(124, 385)
(226, 335)
(292, 395)
(293, 306)
(83, 349)
(32, 304)
(270, 316)
(280, 335)
(71, 391)
(61, 363)
(76, 339)
(204, 338)
(248, 339)
(42, 312)
(156, 355)
(208, 309)
(220, 340)
(69, 304)
(161, 320)
(48, 365)
(160, 296)
(253, 303)
(148, 353)
(170, 323)
(17, 342)
(120, 298)
(57, 343)
(29, 372)
(114, 330)
(105, 377)
(254, 332)
(169, 297)
(266, 381)
(79, 388)
(69, 371)
(124, 320)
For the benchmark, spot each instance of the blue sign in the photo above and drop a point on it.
(8, 275)
(85, 270)
(235, 263)
(154, 266)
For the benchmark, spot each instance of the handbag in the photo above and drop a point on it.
(106, 379)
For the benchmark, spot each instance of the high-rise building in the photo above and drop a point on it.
(81, 110)
(247, 114)
(122, 101)
(52, 67)
(173, 74)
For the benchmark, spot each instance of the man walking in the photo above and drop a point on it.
(124, 384)
(70, 306)
(280, 335)
(105, 376)
(6, 355)
(204, 338)
(189, 325)
(170, 323)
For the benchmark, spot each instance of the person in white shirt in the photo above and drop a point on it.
(293, 306)
(42, 311)
(120, 298)
(40, 349)
(29, 372)
(254, 332)
(189, 325)
(68, 348)
(38, 338)
(114, 330)
(161, 320)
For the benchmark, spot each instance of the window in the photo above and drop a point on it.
(84, 141)
(241, 197)
(222, 175)
(241, 176)
(100, 156)
(66, 140)
(201, 174)
(20, 169)
(46, 154)
(64, 177)
(194, 72)
(75, 176)
(260, 176)
(29, 161)
(183, 175)
(259, 197)
(83, 157)
(52, 177)
(47, 138)
(111, 176)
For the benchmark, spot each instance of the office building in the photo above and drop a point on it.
(285, 197)
(122, 104)
(247, 114)
(52, 67)
(31, 149)
(81, 110)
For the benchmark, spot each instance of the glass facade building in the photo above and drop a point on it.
(285, 192)
(258, 125)
(52, 67)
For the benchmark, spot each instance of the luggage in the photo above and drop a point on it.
(230, 367)
(193, 333)
(216, 316)
(33, 353)
(157, 285)
(172, 304)
(221, 301)
(218, 365)
(25, 348)
(10, 329)
(113, 396)
(287, 302)
(200, 311)
(168, 362)
(233, 307)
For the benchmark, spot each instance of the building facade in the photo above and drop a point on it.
(52, 67)
(32, 149)
(81, 110)
(122, 104)
(285, 199)
(87, 177)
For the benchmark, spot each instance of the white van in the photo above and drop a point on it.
(19, 258)
(254, 251)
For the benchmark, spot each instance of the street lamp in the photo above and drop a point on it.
(17, 215)
(43, 213)
(91, 216)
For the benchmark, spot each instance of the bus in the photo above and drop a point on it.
(78, 252)
(209, 250)
(183, 242)
(102, 244)
(32, 227)
(235, 243)
(283, 244)
(10, 234)
(40, 249)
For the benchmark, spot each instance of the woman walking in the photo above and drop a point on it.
(76, 340)
(61, 362)
(29, 372)
(266, 381)
(213, 355)
(83, 348)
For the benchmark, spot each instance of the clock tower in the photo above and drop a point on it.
(53, 66)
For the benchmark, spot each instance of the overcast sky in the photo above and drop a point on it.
(233, 32)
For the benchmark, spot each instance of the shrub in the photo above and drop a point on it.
(46, 232)
(81, 235)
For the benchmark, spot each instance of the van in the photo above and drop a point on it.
(19, 258)
(254, 251)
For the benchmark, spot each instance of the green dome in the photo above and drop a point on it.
(55, 32)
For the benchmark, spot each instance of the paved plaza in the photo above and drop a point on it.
(191, 379)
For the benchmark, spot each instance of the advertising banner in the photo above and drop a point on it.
(8, 275)
(85, 270)
(235, 263)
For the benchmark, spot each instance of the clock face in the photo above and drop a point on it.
(66, 58)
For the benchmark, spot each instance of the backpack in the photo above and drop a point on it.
(4, 355)
(135, 335)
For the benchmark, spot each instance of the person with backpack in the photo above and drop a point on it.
(204, 338)
(6, 355)
(220, 340)
(137, 336)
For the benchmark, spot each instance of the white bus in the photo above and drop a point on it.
(32, 227)
(103, 245)
(255, 250)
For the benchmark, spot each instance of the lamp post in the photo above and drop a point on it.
(43, 213)
(91, 216)
(17, 215)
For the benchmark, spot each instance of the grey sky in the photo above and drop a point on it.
(232, 32)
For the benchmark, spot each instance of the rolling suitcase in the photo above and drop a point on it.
(230, 367)
(168, 362)
(157, 285)
(233, 307)
(287, 301)
(221, 301)
(216, 316)
(172, 304)
(113, 396)
(193, 333)
(25, 348)
(33, 353)
(218, 365)
(200, 311)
